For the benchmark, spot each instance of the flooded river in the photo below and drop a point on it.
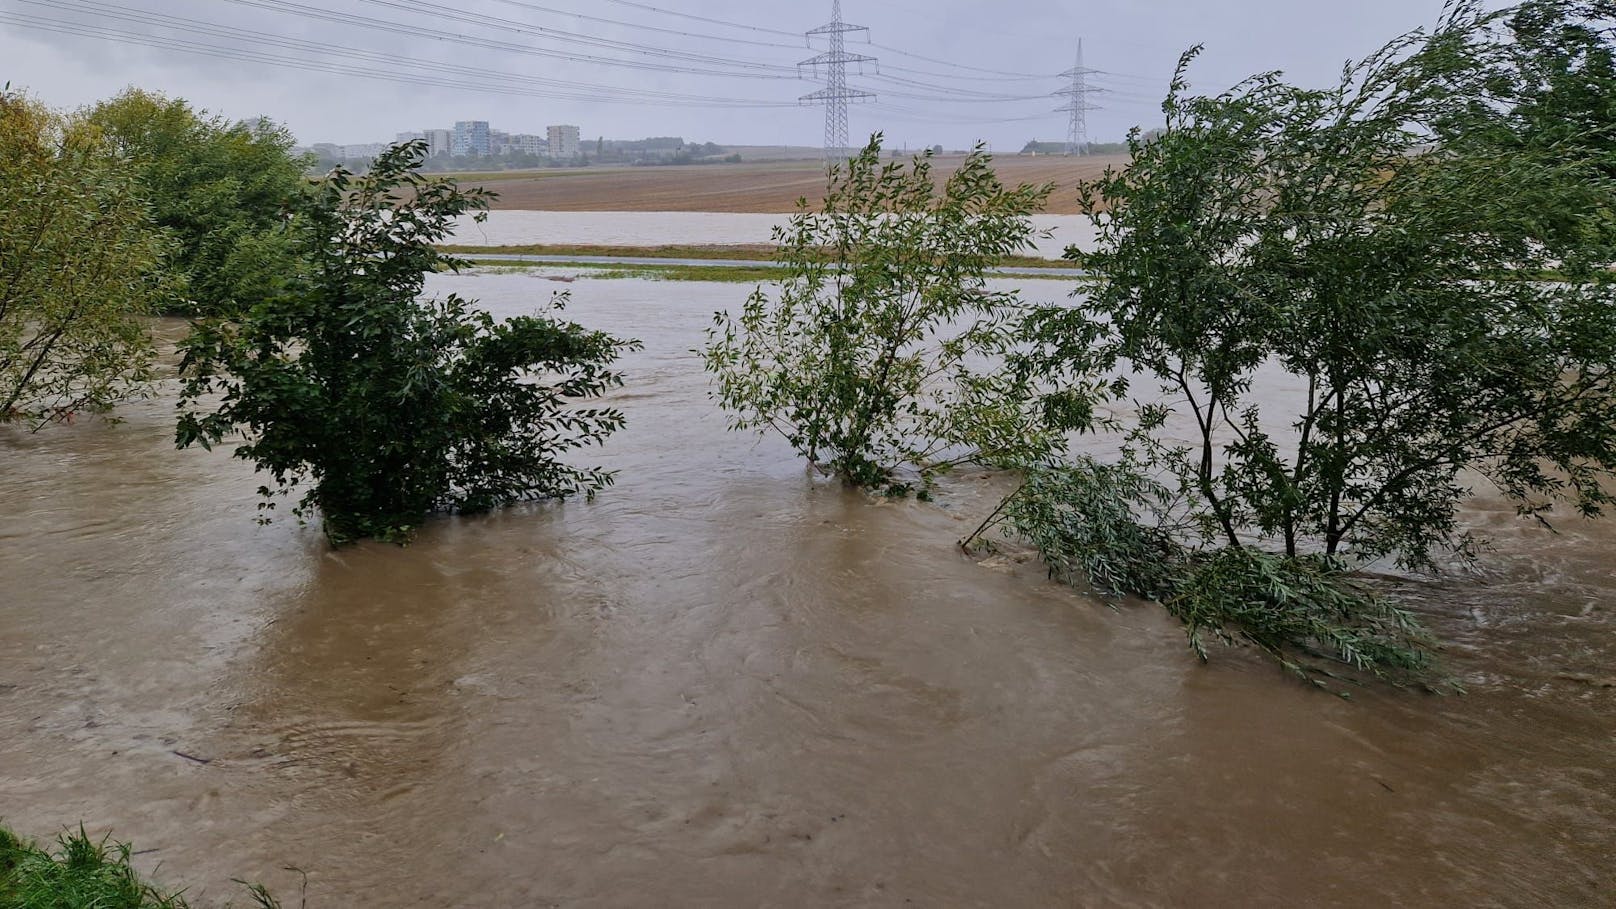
(724, 684)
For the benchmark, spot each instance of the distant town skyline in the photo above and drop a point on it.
(943, 72)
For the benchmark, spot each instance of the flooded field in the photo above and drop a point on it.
(726, 684)
(640, 228)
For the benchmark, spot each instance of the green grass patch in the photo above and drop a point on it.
(749, 252)
(740, 251)
(78, 872)
(604, 271)
(720, 274)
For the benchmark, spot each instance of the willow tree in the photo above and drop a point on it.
(79, 266)
(881, 355)
(1363, 246)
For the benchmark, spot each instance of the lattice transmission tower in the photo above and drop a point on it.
(1077, 104)
(835, 96)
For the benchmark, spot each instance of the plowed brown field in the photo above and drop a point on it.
(763, 187)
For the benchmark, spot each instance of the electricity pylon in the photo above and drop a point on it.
(835, 96)
(1077, 105)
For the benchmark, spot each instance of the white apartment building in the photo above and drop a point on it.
(529, 144)
(438, 141)
(563, 142)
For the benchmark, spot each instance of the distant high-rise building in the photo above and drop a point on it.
(471, 138)
(528, 144)
(563, 142)
(363, 150)
(438, 142)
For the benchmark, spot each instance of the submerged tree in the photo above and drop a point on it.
(79, 266)
(1320, 241)
(883, 348)
(388, 405)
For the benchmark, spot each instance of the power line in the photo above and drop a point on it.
(936, 92)
(691, 16)
(906, 114)
(973, 77)
(947, 99)
(437, 11)
(977, 72)
(951, 90)
(653, 28)
(256, 37)
(564, 90)
(961, 66)
(400, 28)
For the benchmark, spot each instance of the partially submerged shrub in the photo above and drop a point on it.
(1303, 611)
(390, 405)
(80, 266)
(1323, 316)
(1084, 520)
(1111, 526)
(883, 349)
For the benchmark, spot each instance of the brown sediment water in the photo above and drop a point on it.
(726, 684)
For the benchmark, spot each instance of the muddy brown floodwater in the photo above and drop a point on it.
(722, 684)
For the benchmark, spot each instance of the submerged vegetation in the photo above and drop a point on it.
(388, 405)
(1382, 244)
(80, 264)
(1274, 233)
(883, 350)
(138, 206)
(1111, 527)
(1423, 253)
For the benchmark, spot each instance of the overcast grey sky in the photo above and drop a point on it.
(517, 62)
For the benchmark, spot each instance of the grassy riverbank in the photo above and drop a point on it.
(752, 252)
(79, 872)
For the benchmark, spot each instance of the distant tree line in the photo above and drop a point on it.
(656, 151)
(1036, 147)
